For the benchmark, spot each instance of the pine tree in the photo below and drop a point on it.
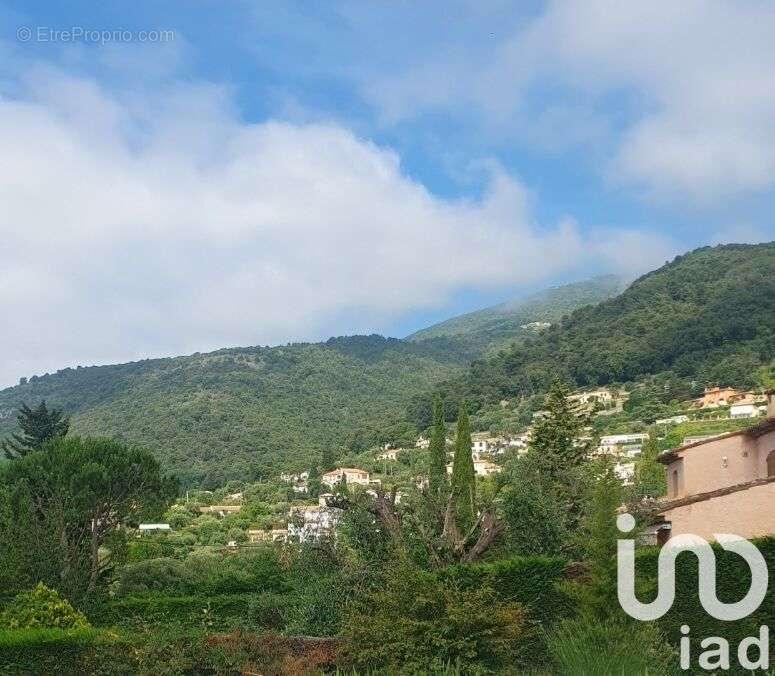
(555, 446)
(313, 481)
(327, 460)
(463, 475)
(38, 425)
(437, 475)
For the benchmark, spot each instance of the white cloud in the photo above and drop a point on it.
(685, 90)
(140, 224)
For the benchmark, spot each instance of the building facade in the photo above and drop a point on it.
(725, 484)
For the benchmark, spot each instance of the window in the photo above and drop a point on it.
(771, 464)
(674, 478)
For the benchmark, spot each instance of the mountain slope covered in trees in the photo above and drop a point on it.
(242, 413)
(708, 315)
(498, 326)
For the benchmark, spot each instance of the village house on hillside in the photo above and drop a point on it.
(352, 475)
(725, 484)
(220, 510)
(718, 396)
(311, 522)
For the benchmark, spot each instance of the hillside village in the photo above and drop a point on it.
(715, 413)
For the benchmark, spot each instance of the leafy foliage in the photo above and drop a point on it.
(42, 608)
(417, 622)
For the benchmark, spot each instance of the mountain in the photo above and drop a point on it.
(708, 315)
(495, 327)
(242, 413)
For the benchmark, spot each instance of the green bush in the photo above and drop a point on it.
(610, 648)
(42, 607)
(416, 622)
(226, 611)
(531, 581)
(44, 651)
(733, 579)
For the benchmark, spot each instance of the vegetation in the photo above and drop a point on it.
(499, 326)
(707, 316)
(38, 425)
(234, 414)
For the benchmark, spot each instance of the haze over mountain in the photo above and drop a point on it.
(243, 413)
(501, 324)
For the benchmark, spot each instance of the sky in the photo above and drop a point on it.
(185, 176)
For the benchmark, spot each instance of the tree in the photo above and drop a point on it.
(327, 460)
(559, 454)
(313, 481)
(463, 484)
(38, 425)
(650, 481)
(533, 517)
(437, 474)
(85, 490)
(555, 445)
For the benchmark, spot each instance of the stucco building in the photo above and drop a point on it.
(725, 484)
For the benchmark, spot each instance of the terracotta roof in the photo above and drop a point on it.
(339, 470)
(708, 495)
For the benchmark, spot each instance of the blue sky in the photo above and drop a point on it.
(290, 170)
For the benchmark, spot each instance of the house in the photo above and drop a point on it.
(481, 467)
(674, 420)
(267, 535)
(389, 454)
(725, 484)
(718, 396)
(613, 443)
(422, 442)
(743, 411)
(310, 522)
(601, 396)
(220, 510)
(351, 475)
(154, 527)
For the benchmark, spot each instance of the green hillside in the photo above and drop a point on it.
(242, 413)
(709, 315)
(497, 326)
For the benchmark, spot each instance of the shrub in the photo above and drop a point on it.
(590, 646)
(44, 651)
(42, 607)
(417, 622)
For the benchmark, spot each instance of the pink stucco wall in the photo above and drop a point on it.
(748, 513)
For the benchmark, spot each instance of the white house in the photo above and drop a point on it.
(154, 527)
(743, 411)
(674, 420)
(389, 454)
(612, 443)
(481, 468)
(310, 522)
(352, 475)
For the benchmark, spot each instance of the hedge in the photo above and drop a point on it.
(208, 612)
(45, 651)
(531, 581)
(733, 579)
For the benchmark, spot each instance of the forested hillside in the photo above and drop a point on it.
(500, 325)
(709, 315)
(244, 413)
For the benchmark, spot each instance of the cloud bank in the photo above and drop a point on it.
(145, 223)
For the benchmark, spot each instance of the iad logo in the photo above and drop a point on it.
(710, 659)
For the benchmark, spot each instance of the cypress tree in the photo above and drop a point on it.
(463, 475)
(37, 425)
(437, 475)
(327, 460)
